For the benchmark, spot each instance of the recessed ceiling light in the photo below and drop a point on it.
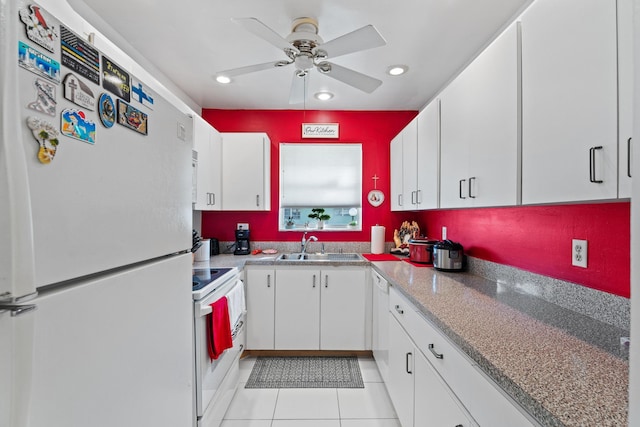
(396, 70)
(324, 96)
(223, 79)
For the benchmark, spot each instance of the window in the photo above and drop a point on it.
(320, 176)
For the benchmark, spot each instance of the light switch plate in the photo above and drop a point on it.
(242, 226)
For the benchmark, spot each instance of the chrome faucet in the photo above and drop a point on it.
(304, 242)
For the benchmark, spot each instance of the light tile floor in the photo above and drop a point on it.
(312, 407)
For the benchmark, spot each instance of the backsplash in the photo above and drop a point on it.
(603, 306)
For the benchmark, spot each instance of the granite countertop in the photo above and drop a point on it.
(564, 368)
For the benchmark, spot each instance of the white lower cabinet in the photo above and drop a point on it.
(448, 388)
(306, 308)
(260, 297)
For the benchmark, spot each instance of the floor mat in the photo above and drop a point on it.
(306, 372)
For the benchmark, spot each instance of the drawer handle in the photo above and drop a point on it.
(268, 280)
(407, 363)
(314, 280)
(435, 353)
(399, 310)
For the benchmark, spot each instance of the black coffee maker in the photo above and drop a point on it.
(242, 243)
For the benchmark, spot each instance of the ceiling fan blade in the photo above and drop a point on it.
(364, 38)
(256, 27)
(353, 78)
(299, 87)
(249, 69)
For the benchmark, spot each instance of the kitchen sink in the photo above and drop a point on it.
(296, 256)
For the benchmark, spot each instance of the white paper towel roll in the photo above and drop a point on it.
(377, 239)
(202, 254)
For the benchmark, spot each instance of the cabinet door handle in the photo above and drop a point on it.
(399, 310)
(414, 198)
(435, 353)
(592, 165)
(314, 280)
(326, 280)
(257, 200)
(407, 363)
(629, 157)
(213, 198)
(472, 179)
(460, 189)
(399, 199)
(418, 198)
(268, 280)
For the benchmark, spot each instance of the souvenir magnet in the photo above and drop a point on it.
(76, 91)
(79, 56)
(132, 117)
(115, 79)
(107, 110)
(75, 124)
(142, 93)
(45, 101)
(38, 63)
(40, 27)
(47, 137)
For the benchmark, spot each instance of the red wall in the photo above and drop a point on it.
(533, 238)
(374, 129)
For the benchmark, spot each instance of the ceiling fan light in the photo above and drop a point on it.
(397, 70)
(323, 96)
(223, 79)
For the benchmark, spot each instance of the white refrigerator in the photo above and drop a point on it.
(95, 231)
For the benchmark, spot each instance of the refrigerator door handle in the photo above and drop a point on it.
(16, 309)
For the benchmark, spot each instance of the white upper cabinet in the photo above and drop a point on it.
(479, 130)
(569, 101)
(625, 96)
(246, 171)
(208, 143)
(428, 157)
(396, 173)
(414, 163)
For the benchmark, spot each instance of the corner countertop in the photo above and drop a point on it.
(564, 368)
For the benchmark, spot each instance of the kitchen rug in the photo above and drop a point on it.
(306, 372)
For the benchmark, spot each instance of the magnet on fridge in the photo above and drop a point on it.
(74, 124)
(32, 60)
(45, 101)
(141, 93)
(40, 27)
(76, 91)
(46, 135)
(107, 110)
(131, 117)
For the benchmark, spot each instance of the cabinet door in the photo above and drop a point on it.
(401, 381)
(246, 171)
(410, 165)
(297, 318)
(569, 101)
(479, 150)
(435, 403)
(261, 285)
(202, 145)
(428, 156)
(625, 96)
(396, 173)
(342, 310)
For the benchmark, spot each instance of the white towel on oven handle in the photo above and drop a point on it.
(236, 302)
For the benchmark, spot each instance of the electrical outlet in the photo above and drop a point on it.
(579, 253)
(242, 226)
(444, 233)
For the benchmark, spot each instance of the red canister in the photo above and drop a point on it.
(421, 250)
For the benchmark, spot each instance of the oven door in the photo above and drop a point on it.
(211, 373)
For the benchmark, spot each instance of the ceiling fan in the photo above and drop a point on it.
(306, 50)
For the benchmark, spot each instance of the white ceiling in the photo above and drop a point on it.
(190, 40)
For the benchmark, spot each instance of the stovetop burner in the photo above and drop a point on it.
(203, 276)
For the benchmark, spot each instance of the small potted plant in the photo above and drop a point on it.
(318, 214)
